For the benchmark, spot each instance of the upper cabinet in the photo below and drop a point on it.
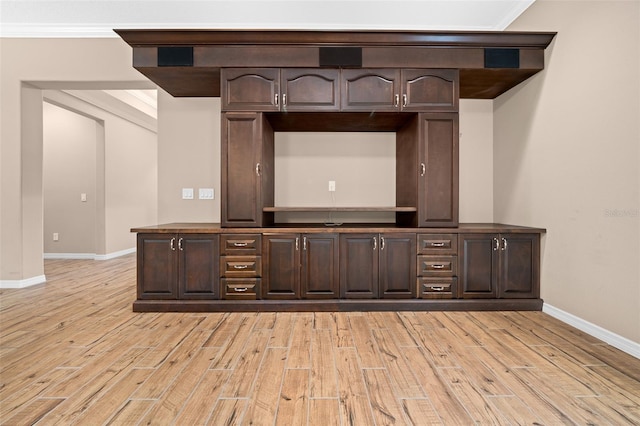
(430, 90)
(272, 89)
(416, 90)
(365, 90)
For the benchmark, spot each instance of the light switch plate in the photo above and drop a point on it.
(205, 193)
(187, 193)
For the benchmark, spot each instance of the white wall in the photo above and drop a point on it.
(566, 158)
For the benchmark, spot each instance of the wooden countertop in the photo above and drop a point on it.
(215, 228)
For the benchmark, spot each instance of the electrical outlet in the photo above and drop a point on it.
(56, 237)
(332, 185)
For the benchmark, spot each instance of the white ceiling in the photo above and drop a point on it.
(97, 18)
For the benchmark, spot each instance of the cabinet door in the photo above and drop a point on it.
(157, 266)
(250, 89)
(519, 266)
(429, 90)
(438, 170)
(198, 276)
(397, 265)
(479, 256)
(247, 172)
(320, 273)
(281, 271)
(310, 90)
(370, 90)
(359, 266)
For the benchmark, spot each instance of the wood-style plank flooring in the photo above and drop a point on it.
(73, 352)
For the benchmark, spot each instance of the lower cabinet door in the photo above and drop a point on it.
(359, 266)
(519, 266)
(198, 266)
(157, 266)
(281, 271)
(320, 272)
(478, 256)
(397, 265)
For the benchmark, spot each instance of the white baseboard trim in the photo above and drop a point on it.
(115, 254)
(89, 256)
(23, 283)
(615, 340)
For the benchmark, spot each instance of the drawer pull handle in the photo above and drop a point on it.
(240, 244)
(240, 289)
(437, 244)
(240, 266)
(438, 266)
(437, 288)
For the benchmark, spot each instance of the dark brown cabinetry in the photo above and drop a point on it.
(499, 265)
(300, 266)
(437, 266)
(272, 89)
(377, 265)
(240, 266)
(427, 170)
(399, 90)
(177, 266)
(247, 169)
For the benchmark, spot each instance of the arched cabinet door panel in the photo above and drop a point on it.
(250, 89)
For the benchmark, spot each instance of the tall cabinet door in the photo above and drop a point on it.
(479, 258)
(438, 170)
(247, 172)
(519, 266)
(157, 266)
(198, 276)
(359, 266)
(398, 265)
(320, 272)
(281, 266)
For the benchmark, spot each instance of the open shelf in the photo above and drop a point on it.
(340, 209)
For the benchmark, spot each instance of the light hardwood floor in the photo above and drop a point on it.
(73, 352)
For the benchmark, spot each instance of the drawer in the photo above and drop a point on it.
(241, 244)
(437, 288)
(240, 288)
(240, 266)
(437, 244)
(446, 266)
